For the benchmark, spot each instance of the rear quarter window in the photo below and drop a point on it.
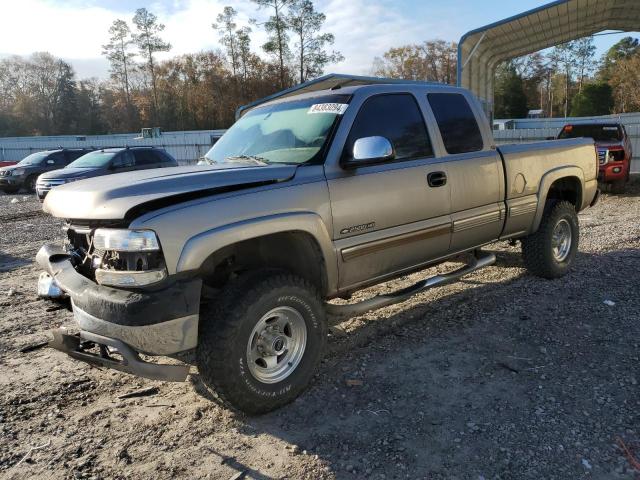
(457, 123)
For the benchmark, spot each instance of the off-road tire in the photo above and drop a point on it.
(537, 250)
(225, 329)
(619, 186)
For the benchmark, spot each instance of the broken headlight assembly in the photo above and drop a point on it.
(127, 258)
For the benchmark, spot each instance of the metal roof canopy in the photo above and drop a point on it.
(481, 50)
(326, 82)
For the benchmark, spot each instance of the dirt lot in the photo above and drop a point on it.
(501, 376)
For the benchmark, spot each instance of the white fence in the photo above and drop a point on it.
(523, 135)
(185, 147)
(188, 147)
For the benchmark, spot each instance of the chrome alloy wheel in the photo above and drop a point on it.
(561, 239)
(276, 345)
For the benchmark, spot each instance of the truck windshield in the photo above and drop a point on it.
(599, 132)
(93, 160)
(34, 159)
(292, 132)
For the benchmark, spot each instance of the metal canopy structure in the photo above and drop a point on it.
(481, 50)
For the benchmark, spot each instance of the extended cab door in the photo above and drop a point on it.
(387, 218)
(475, 172)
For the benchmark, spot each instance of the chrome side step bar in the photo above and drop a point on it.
(480, 260)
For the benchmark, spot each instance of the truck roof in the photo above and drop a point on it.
(334, 83)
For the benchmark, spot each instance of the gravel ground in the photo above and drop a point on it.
(501, 376)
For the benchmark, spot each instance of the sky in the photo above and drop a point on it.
(76, 29)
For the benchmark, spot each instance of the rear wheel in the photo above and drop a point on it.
(261, 345)
(550, 252)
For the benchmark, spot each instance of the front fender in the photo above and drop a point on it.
(545, 185)
(199, 247)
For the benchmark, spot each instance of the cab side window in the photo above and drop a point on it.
(57, 159)
(145, 158)
(123, 160)
(396, 117)
(75, 154)
(457, 123)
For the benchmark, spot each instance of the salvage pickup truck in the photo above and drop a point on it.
(309, 197)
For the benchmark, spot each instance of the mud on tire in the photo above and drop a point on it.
(234, 333)
(546, 252)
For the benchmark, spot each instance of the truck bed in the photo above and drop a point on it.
(530, 168)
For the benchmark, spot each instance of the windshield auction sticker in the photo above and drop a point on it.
(335, 108)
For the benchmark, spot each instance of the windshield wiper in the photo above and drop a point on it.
(243, 158)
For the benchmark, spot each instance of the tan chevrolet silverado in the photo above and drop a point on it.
(309, 197)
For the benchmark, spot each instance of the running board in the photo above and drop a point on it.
(480, 260)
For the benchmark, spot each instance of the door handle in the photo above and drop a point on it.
(437, 179)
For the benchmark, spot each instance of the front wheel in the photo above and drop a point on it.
(30, 184)
(550, 252)
(260, 347)
(619, 186)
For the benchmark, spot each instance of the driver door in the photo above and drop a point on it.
(389, 217)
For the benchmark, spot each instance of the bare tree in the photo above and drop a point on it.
(583, 50)
(562, 56)
(149, 42)
(226, 26)
(433, 60)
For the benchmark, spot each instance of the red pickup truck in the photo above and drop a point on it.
(614, 150)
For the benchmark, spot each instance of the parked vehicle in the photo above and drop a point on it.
(614, 150)
(6, 163)
(25, 173)
(311, 197)
(105, 162)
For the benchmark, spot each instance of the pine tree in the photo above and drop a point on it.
(305, 23)
(149, 42)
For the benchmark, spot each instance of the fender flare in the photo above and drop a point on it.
(547, 180)
(199, 247)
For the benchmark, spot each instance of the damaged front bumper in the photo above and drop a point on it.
(162, 321)
(80, 346)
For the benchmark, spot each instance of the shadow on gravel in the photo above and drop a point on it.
(9, 262)
(487, 381)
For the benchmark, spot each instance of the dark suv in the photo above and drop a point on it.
(105, 162)
(25, 173)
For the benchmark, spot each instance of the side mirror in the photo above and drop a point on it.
(371, 150)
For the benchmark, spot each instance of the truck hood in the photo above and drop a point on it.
(128, 194)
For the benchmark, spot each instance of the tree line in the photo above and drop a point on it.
(569, 80)
(40, 95)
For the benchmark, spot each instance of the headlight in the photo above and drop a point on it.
(125, 240)
(129, 279)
